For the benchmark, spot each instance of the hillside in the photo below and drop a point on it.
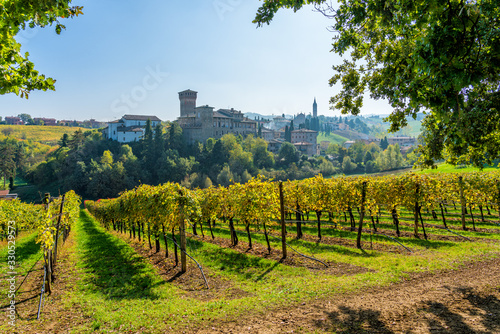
(48, 135)
(413, 129)
(332, 138)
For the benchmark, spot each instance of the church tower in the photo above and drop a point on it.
(188, 102)
(315, 108)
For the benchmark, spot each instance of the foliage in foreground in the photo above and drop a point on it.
(441, 57)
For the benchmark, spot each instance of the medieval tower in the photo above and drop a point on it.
(188, 102)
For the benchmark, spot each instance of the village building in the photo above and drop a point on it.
(129, 128)
(274, 145)
(45, 121)
(299, 120)
(200, 123)
(402, 141)
(12, 120)
(305, 141)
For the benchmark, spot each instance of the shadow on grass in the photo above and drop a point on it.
(312, 248)
(25, 248)
(231, 261)
(114, 268)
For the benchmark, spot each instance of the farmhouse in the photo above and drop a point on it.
(129, 128)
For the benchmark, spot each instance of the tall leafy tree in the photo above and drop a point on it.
(17, 72)
(437, 56)
(7, 161)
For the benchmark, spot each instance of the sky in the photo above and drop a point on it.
(133, 57)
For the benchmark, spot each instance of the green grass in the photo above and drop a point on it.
(332, 138)
(27, 253)
(446, 168)
(18, 182)
(121, 291)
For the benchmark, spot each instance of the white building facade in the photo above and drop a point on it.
(129, 128)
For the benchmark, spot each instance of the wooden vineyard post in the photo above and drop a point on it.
(498, 199)
(298, 216)
(462, 200)
(57, 230)
(415, 232)
(182, 230)
(361, 215)
(283, 227)
(46, 253)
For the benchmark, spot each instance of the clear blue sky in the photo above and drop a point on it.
(135, 56)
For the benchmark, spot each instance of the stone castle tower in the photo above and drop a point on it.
(315, 108)
(188, 102)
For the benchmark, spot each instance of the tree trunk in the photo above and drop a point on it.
(422, 221)
(472, 216)
(351, 217)
(165, 240)
(247, 227)
(298, 216)
(210, 226)
(267, 239)
(149, 237)
(396, 221)
(462, 201)
(318, 217)
(361, 215)
(157, 243)
(442, 215)
(373, 223)
(234, 237)
(415, 215)
(175, 248)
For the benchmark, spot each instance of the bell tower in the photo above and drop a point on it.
(188, 102)
(315, 108)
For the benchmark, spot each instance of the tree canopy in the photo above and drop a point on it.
(441, 57)
(17, 73)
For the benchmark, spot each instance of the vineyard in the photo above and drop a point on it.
(396, 211)
(168, 259)
(47, 227)
(259, 205)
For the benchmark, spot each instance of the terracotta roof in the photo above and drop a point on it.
(304, 130)
(219, 115)
(141, 118)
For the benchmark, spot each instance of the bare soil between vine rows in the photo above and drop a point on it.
(466, 300)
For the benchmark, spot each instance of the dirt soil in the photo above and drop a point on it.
(455, 301)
